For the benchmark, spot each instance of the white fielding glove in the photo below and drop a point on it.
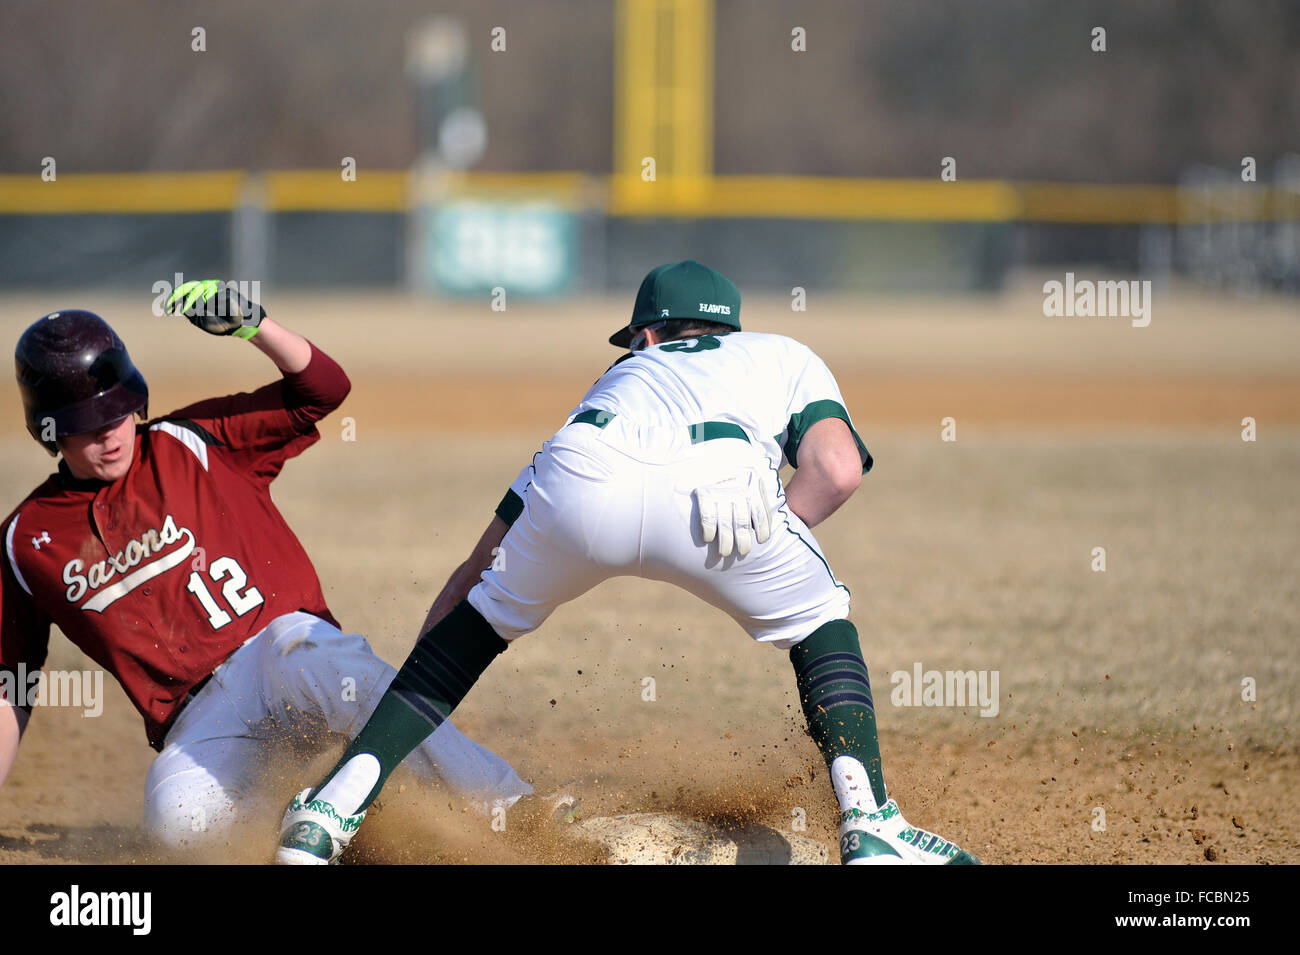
(736, 511)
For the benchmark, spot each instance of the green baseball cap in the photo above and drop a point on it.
(682, 290)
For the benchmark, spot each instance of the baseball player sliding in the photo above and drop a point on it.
(157, 550)
(668, 469)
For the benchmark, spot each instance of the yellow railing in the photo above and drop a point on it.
(120, 192)
(795, 197)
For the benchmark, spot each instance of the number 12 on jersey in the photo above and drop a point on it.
(241, 603)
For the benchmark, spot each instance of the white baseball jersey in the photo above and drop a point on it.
(611, 494)
(773, 387)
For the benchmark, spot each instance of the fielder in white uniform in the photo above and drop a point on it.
(667, 469)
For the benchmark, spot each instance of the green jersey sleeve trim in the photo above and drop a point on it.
(814, 412)
(511, 506)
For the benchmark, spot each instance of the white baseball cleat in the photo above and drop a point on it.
(314, 833)
(884, 837)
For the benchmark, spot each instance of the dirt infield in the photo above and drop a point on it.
(1121, 695)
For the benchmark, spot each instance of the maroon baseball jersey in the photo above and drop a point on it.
(161, 575)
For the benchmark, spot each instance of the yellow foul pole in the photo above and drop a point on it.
(663, 104)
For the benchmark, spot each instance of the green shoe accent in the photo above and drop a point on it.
(311, 838)
(888, 811)
(857, 844)
(919, 839)
(345, 823)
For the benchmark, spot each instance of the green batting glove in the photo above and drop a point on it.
(217, 308)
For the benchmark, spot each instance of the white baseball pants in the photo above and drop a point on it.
(617, 501)
(292, 684)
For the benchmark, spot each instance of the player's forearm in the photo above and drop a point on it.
(12, 721)
(289, 350)
(485, 549)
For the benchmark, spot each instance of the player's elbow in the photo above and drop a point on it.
(329, 381)
(836, 461)
(343, 389)
(830, 450)
(840, 479)
(845, 478)
(338, 385)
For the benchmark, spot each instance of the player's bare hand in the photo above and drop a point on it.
(735, 511)
(217, 307)
(455, 590)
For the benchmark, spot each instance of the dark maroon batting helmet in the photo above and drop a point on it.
(74, 373)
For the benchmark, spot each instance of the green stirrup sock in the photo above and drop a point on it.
(836, 698)
(444, 664)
